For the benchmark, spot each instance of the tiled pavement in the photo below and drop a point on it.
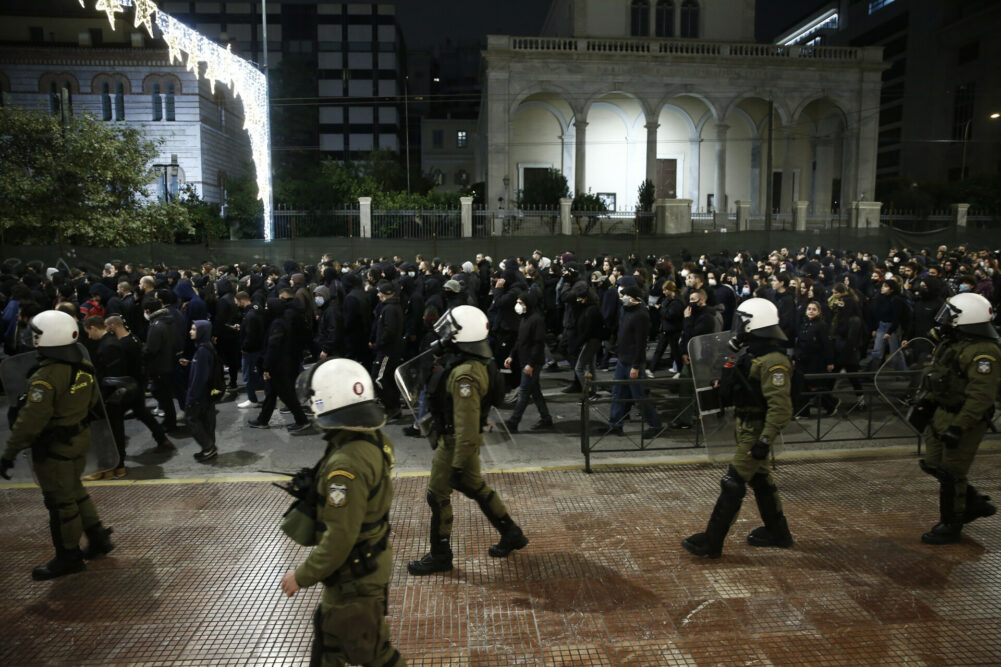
(194, 578)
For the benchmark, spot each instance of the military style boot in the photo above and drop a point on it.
(67, 561)
(710, 543)
(98, 541)
(949, 529)
(439, 559)
(775, 532)
(511, 538)
(977, 505)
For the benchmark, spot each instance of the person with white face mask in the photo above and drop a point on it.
(634, 331)
(529, 355)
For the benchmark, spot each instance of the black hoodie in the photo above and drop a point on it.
(530, 348)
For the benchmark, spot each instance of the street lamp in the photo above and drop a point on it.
(966, 138)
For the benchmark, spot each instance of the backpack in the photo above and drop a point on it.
(217, 380)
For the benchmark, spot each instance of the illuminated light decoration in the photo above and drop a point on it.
(247, 83)
(145, 10)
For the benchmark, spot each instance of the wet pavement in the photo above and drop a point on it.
(194, 577)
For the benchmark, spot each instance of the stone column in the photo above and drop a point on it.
(849, 168)
(719, 196)
(755, 174)
(651, 152)
(678, 216)
(660, 216)
(959, 212)
(743, 215)
(365, 216)
(565, 219)
(498, 129)
(799, 215)
(788, 177)
(867, 137)
(580, 153)
(865, 214)
(694, 187)
(466, 205)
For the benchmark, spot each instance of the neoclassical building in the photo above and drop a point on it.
(676, 91)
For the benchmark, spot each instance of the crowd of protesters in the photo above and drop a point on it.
(840, 310)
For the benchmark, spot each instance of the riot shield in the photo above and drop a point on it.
(410, 380)
(707, 354)
(102, 455)
(899, 382)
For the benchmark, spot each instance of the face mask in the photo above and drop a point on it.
(702, 262)
(519, 308)
(626, 301)
(712, 282)
(411, 273)
(319, 300)
(964, 288)
(746, 291)
(684, 273)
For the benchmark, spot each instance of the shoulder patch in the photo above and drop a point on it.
(342, 473)
(35, 395)
(465, 389)
(985, 365)
(778, 377)
(337, 495)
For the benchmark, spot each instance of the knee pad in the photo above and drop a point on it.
(732, 484)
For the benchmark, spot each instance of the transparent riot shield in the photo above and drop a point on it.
(899, 382)
(708, 354)
(102, 455)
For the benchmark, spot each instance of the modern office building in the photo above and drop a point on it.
(941, 88)
(676, 91)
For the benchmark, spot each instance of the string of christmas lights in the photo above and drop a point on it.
(247, 82)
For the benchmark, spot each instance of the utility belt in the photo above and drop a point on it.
(362, 557)
(61, 433)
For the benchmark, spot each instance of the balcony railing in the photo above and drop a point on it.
(683, 48)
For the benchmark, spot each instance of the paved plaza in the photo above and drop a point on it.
(194, 577)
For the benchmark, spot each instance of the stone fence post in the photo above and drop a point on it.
(565, 219)
(466, 204)
(365, 217)
(799, 215)
(959, 213)
(743, 215)
(865, 214)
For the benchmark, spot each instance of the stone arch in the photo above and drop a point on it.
(563, 121)
(111, 79)
(604, 98)
(836, 106)
(162, 79)
(541, 89)
(61, 79)
(685, 116)
(780, 107)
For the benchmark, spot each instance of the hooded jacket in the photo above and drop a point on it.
(202, 363)
(192, 306)
(226, 313)
(530, 348)
(160, 350)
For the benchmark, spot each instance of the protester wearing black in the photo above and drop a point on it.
(160, 355)
(526, 362)
(280, 369)
(224, 332)
(388, 348)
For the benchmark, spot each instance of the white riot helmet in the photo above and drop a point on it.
(54, 334)
(969, 313)
(340, 395)
(756, 317)
(465, 327)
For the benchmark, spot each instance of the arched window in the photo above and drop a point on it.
(168, 103)
(106, 102)
(157, 101)
(119, 101)
(53, 98)
(690, 18)
(639, 18)
(664, 21)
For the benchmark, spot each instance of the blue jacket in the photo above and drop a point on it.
(200, 369)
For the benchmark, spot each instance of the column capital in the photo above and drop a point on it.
(580, 124)
(652, 126)
(721, 129)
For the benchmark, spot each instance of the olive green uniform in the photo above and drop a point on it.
(963, 382)
(456, 465)
(467, 384)
(53, 423)
(761, 413)
(354, 496)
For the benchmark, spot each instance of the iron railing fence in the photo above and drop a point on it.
(289, 223)
(421, 225)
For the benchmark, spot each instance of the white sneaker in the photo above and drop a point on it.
(243, 405)
(157, 412)
(649, 373)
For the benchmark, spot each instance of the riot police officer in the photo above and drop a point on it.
(962, 385)
(757, 385)
(343, 512)
(62, 393)
(463, 384)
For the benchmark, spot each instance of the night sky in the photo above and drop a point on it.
(429, 22)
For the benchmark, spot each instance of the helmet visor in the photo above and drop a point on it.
(946, 315)
(446, 327)
(303, 385)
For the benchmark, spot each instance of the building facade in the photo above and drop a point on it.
(675, 91)
(941, 87)
(336, 69)
(448, 152)
(122, 76)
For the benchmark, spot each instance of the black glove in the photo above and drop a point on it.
(455, 479)
(5, 467)
(759, 450)
(951, 437)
